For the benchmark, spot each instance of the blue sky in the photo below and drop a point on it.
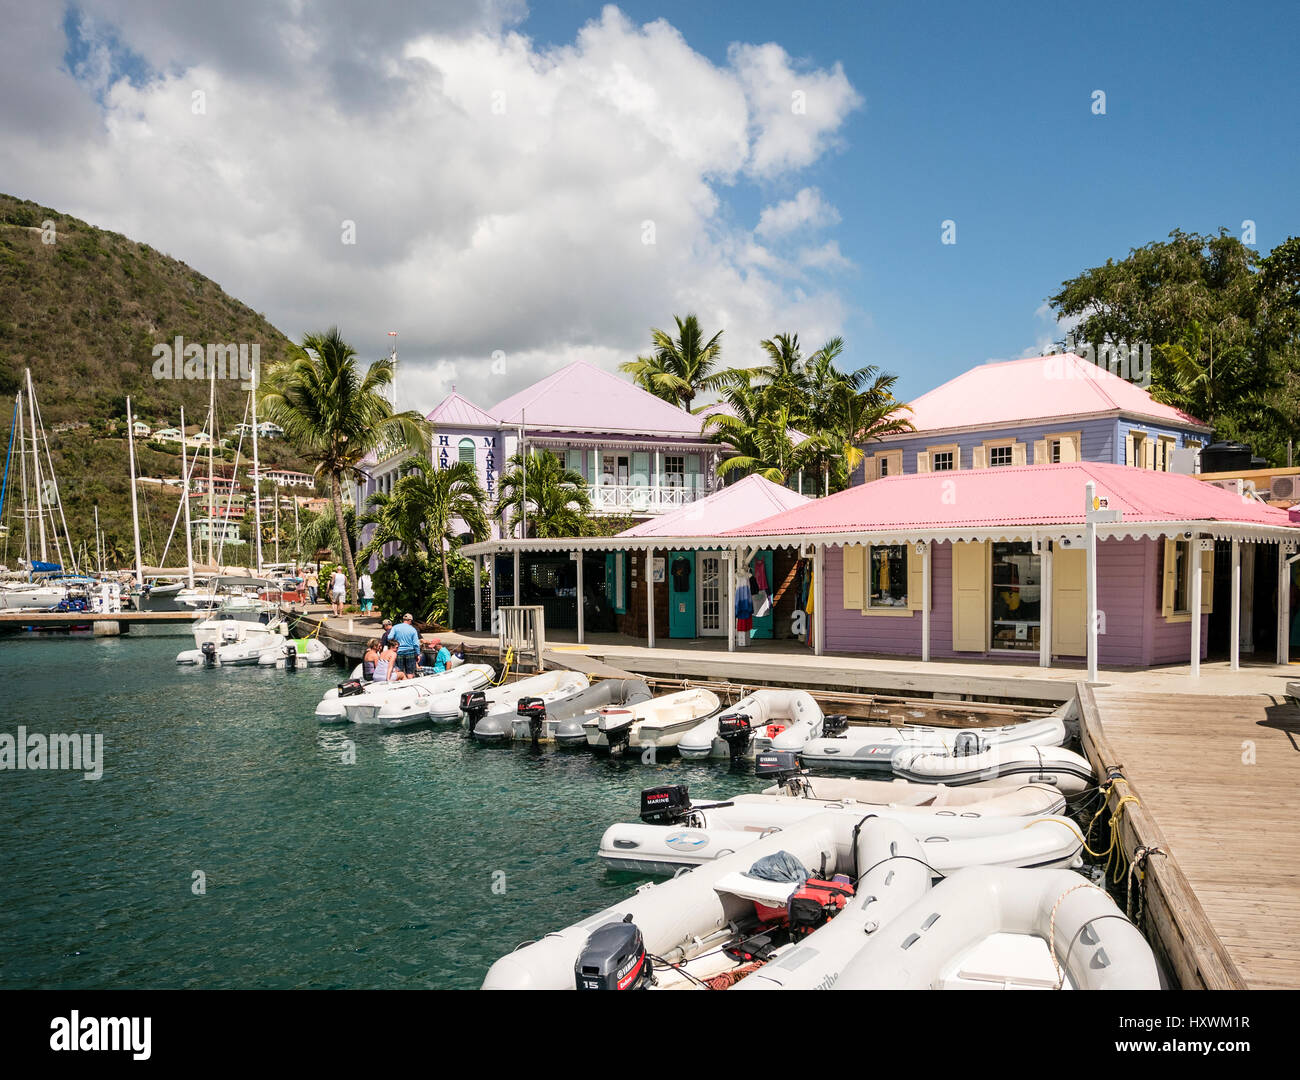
(981, 113)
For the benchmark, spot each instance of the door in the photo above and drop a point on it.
(710, 590)
(970, 597)
(763, 623)
(1069, 602)
(681, 594)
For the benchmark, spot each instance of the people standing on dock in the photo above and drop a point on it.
(313, 585)
(370, 659)
(338, 590)
(365, 592)
(407, 639)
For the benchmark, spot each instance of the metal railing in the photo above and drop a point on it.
(643, 497)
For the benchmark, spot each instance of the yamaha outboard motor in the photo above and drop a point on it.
(534, 710)
(737, 731)
(666, 805)
(834, 725)
(473, 703)
(348, 687)
(614, 958)
(783, 767)
(290, 656)
(209, 649)
(617, 726)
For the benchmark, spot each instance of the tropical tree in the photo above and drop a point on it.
(334, 414)
(758, 429)
(320, 532)
(681, 367)
(552, 499)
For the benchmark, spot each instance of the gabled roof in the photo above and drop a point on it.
(582, 397)
(1013, 496)
(457, 410)
(750, 499)
(1040, 387)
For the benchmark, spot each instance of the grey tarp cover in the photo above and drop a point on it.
(779, 866)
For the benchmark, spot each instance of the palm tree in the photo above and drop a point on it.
(557, 499)
(334, 415)
(680, 368)
(321, 531)
(784, 373)
(759, 428)
(423, 507)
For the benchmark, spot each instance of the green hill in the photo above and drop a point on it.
(84, 313)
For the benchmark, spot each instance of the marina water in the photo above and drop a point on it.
(230, 843)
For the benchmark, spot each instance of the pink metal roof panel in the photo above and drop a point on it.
(456, 410)
(750, 499)
(1020, 495)
(583, 397)
(1017, 391)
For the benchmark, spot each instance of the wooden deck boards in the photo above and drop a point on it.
(1231, 825)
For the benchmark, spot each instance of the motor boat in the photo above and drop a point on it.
(537, 719)
(293, 653)
(231, 642)
(222, 630)
(660, 722)
(763, 720)
(405, 702)
(30, 596)
(445, 689)
(552, 687)
(974, 761)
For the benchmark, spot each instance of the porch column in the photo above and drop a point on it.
(1283, 606)
(729, 607)
(478, 594)
(649, 599)
(1234, 639)
(1195, 605)
(1045, 612)
(819, 599)
(518, 583)
(577, 557)
(657, 481)
(492, 591)
(925, 602)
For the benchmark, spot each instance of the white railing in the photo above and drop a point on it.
(643, 497)
(523, 630)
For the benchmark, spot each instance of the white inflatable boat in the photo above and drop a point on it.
(660, 722)
(551, 687)
(230, 642)
(990, 928)
(549, 720)
(446, 690)
(293, 653)
(765, 719)
(971, 763)
(1007, 796)
(404, 702)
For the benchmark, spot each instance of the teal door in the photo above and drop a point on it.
(681, 594)
(762, 624)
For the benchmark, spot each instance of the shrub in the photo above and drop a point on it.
(409, 583)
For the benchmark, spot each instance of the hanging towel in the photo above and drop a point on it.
(762, 599)
(744, 605)
(808, 607)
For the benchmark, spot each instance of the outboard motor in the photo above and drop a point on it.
(290, 656)
(835, 725)
(666, 805)
(967, 744)
(617, 726)
(783, 767)
(736, 730)
(473, 703)
(534, 710)
(614, 958)
(209, 649)
(348, 687)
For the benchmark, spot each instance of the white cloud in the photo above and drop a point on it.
(806, 210)
(502, 193)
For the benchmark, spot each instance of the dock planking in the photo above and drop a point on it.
(1229, 823)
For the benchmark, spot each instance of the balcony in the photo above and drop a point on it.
(641, 498)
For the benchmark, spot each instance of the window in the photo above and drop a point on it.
(1139, 450)
(1055, 446)
(884, 465)
(674, 470)
(942, 461)
(1164, 452)
(1182, 552)
(999, 455)
(887, 584)
(1016, 601)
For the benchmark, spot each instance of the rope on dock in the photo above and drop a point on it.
(1137, 868)
(1051, 937)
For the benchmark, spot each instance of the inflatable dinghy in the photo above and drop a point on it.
(405, 702)
(331, 709)
(1002, 795)
(660, 722)
(294, 653)
(972, 762)
(548, 718)
(763, 720)
(551, 686)
(989, 928)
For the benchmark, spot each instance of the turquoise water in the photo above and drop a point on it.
(318, 873)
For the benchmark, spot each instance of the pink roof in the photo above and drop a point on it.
(455, 410)
(750, 499)
(1014, 495)
(582, 397)
(1019, 391)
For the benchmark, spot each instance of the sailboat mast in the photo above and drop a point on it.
(36, 463)
(22, 461)
(135, 514)
(257, 473)
(185, 497)
(99, 553)
(212, 442)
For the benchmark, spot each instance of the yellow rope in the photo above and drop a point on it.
(510, 652)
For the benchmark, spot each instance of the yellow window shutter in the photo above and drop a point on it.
(970, 606)
(977, 457)
(1167, 585)
(854, 574)
(915, 578)
(1069, 602)
(1042, 452)
(1149, 445)
(895, 463)
(1128, 449)
(1207, 581)
(923, 461)
(1018, 453)
(870, 469)
(1069, 452)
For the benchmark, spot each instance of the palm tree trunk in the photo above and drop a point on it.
(446, 577)
(336, 496)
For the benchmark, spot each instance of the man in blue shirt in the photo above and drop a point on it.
(407, 639)
(441, 655)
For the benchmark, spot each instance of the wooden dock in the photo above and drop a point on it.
(76, 618)
(1220, 776)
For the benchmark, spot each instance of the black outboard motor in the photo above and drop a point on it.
(209, 650)
(617, 727)
(614, 958)
(782, 766)
(736, 730)
(967, 744)
(348, 687)
(473, 703)
(290, 656)
(834, 725)
(534, 709)
(667, 805)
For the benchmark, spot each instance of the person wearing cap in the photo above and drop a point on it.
(407, 639)
(387, 634)
(441, 655)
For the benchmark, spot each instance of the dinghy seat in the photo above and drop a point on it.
(771, 894)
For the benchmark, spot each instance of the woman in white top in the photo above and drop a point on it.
(338, 590)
